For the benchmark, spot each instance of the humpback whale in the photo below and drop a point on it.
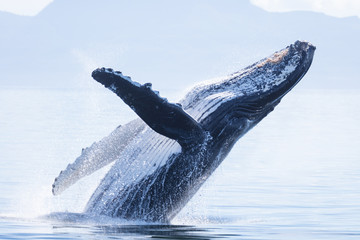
(163, 157)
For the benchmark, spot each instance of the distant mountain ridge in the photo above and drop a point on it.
(172, 43)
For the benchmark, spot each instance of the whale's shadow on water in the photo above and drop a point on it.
(122, 228)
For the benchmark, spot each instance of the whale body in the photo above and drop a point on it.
(163, 157)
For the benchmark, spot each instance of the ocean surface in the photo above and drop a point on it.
(294, 176)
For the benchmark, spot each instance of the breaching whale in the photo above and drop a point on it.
(163, 158)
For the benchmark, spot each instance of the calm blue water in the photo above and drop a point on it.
(294, 176)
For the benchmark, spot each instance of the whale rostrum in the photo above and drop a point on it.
(163, 158)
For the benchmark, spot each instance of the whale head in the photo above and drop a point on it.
(230, 106)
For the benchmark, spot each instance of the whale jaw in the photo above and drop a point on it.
(236, 103)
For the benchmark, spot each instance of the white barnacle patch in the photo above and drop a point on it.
(276, 80)
(288, 69)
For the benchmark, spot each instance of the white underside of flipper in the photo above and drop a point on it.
(98, 155)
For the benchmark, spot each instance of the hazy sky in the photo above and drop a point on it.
(338, 8)
(24, 7)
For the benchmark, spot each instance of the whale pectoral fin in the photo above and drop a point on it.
(165, 118)
(98, 155)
